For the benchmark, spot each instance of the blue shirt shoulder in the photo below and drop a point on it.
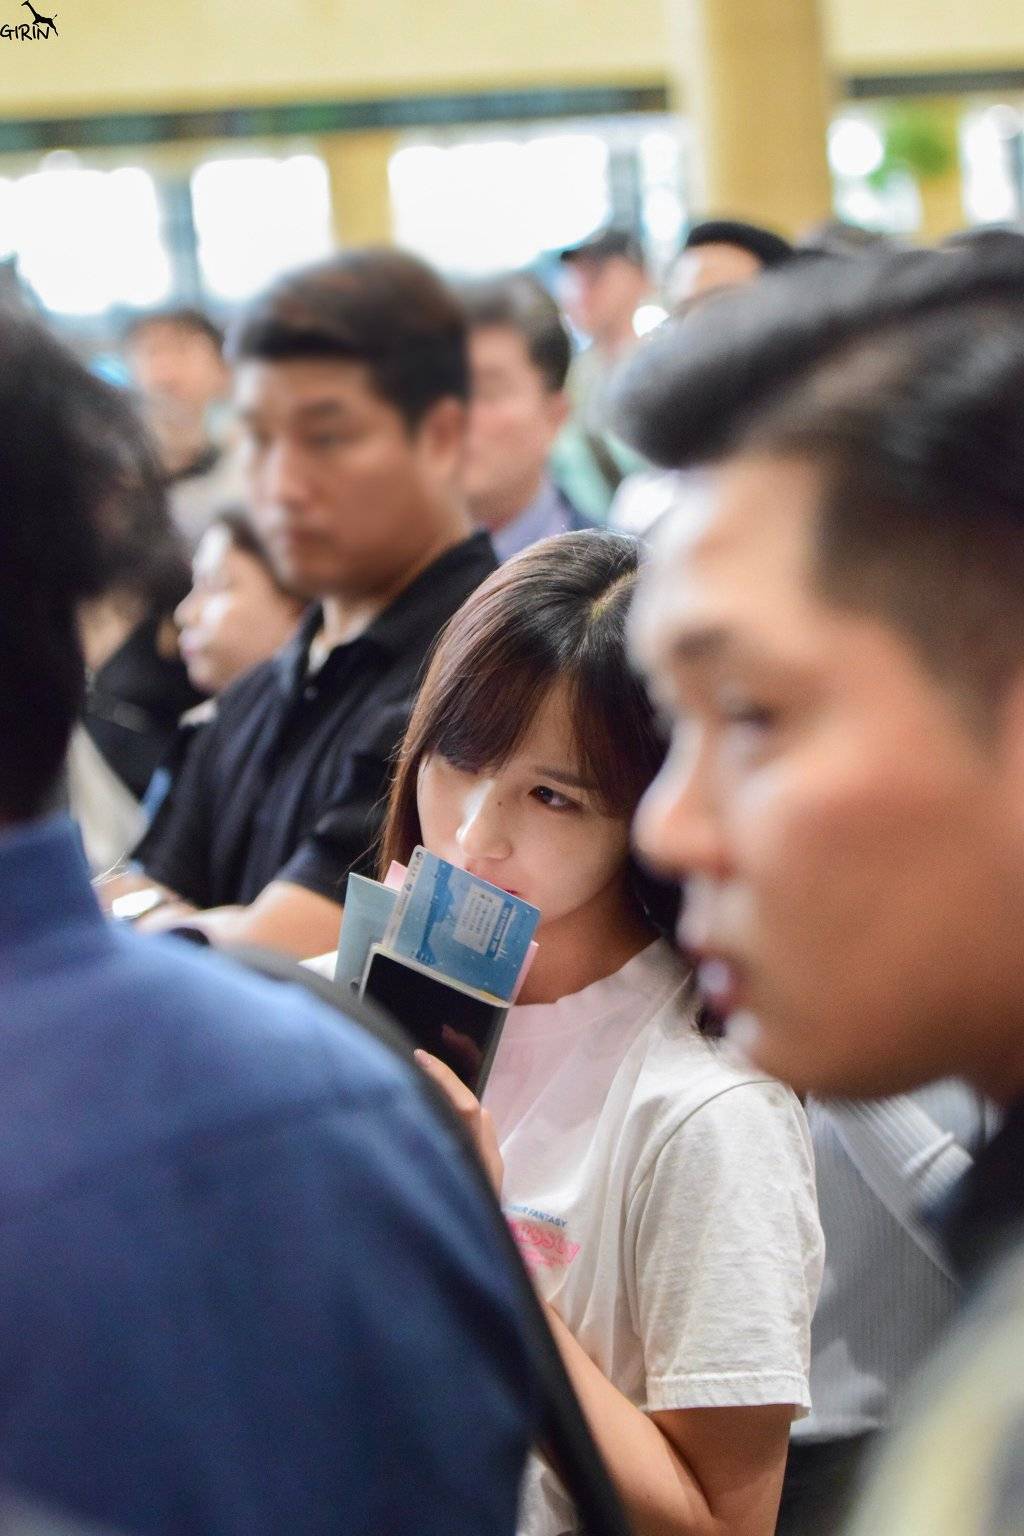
(247, 1284)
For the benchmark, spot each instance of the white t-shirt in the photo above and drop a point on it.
(664, 1200)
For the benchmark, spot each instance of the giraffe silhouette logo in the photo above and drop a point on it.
(41, 21)
(39, 29)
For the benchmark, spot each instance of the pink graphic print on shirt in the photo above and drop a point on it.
(541, 1244)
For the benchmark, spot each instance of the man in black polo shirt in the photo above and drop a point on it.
(351, 383)
(836, 623)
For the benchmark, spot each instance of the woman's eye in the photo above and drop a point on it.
(553, 799)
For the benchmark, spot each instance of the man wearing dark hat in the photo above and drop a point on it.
(607, 280)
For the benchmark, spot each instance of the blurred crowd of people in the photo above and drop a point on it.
(727, 612)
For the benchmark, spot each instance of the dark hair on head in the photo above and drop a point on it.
(70, 449)
(186, 317)
(554, 614)
(1009, 237)
(770, 249)
(238, 525)
(146, 556)
(521, 303)
(835, 237)
(901, 379)
(384, 309)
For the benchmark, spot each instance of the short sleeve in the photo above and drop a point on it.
(175, 848)
(728, 1255)
(344, 839)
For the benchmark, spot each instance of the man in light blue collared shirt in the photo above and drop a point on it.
(519, 353)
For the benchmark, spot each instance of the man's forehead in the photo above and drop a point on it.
(299, 384)
(734, 546)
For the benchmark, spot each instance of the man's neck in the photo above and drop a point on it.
(347, 615)
(496, 512)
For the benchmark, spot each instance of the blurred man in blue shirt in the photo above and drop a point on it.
(245, 1284)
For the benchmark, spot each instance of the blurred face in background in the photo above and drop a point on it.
(601, 295)
(853, 853)
(234, 617)
(514, 418)
(708, 268)
(180, 375)
(178, 362)
(345, 496)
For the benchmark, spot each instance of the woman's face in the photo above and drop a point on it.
(531, 826)
(234, 616)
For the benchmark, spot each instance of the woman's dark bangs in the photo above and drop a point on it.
(609, 736)
(479, 720)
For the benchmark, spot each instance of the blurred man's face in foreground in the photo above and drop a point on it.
(853, 853)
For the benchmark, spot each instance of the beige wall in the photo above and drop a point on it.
(194, 52)
(155, 54)
(882, 36)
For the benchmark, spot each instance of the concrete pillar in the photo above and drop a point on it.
(751, 76)
(357, 164)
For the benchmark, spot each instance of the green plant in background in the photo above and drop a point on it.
(919, 141)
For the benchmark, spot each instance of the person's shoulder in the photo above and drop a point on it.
(956, 1465)
(196, 1044)
(692, 1086)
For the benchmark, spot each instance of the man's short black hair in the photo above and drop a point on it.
(901, 379)
(67, 453)
(770, 249)
(382, 308)
(186, 317)
(521, 303)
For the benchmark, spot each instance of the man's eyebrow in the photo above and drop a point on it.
(563, 776)
(311, 410)
(704, 644)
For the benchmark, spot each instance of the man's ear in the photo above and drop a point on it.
(559, 409)
(441, 435)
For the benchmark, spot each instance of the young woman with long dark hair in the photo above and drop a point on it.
(663, 1198)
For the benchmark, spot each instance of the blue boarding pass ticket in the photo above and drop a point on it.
(460, 925)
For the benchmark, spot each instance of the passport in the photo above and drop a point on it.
(460, 926)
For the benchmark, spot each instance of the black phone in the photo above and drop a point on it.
(458, 1025)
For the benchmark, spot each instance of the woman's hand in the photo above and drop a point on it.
(472, 1113)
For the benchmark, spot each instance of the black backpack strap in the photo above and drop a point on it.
(564, 1431)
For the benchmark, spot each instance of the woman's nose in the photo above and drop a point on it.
(483, 832)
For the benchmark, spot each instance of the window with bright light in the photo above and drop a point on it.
(87, 240)
(498, 203)
(256, 217)
(8, 238)
(992, 190)
(890, 204)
